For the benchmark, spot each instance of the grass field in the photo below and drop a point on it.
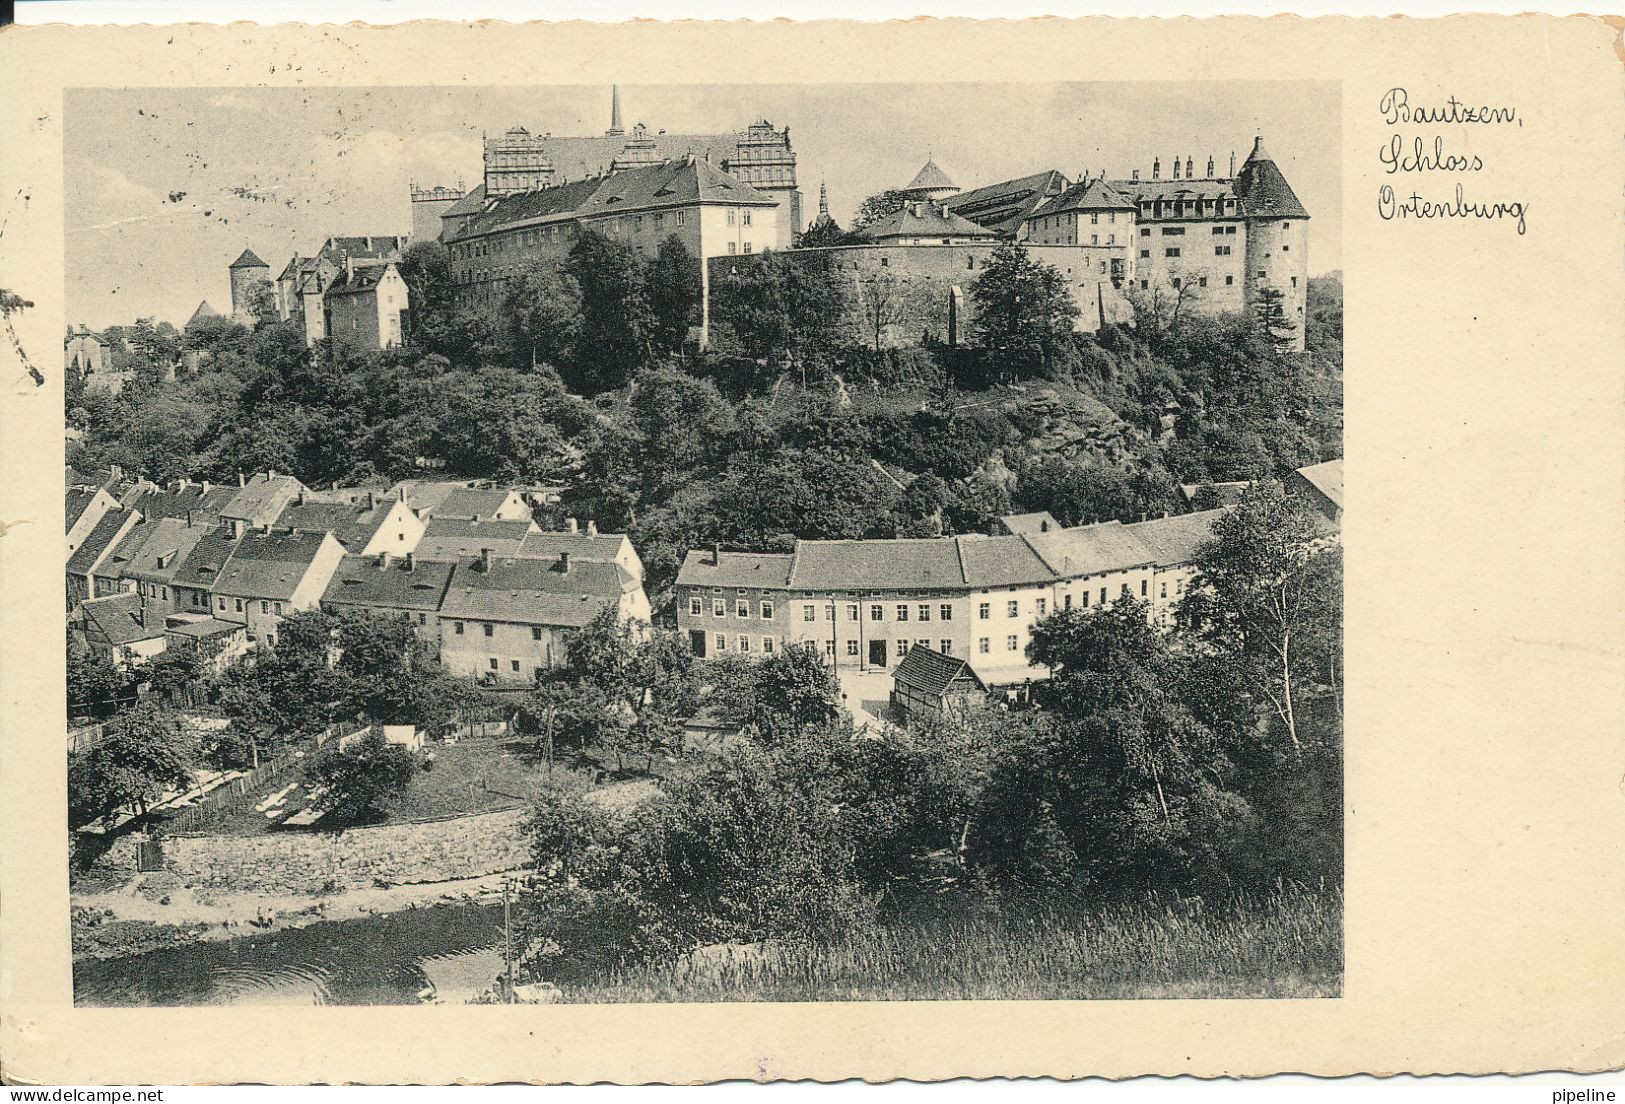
(1289, 944)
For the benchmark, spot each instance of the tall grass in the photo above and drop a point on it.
(1287, 944)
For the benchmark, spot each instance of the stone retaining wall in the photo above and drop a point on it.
(316, 862)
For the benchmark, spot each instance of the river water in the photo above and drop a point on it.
(447, 953)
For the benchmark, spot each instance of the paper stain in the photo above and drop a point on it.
(6, 526)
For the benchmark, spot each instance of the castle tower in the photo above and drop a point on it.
(246, 272)
(764, 159)
(930, 183)
(614, 130)
(428, 204)
(1277, 239)
(516, 162)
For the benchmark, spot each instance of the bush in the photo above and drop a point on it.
(358, 783)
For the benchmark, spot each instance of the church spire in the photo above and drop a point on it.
(614, 130)
(823, 202)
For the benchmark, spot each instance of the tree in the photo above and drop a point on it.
(879, 206)
(261, 302)
(674, 287)
(823, 234)
(95, 685)
(143, 752)
(439, 325)
(1023, 307)
(616, 324)
(543, 317)
(883, 303)
(390, 677)
(1270, 311)
(789, 693)
(359, 782)
(1266, 597)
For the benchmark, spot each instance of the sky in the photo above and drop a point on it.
(165, 187)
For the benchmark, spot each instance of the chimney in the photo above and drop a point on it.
(564, 562)
(485, 560)
(1190, 168)
(241, 482)
(716, 554)
(270, 474)
(400, 492)
(1156, 168)
(237, 527)
(188, 519)
(592, 528)
(1136, 174)
(1176, 166)
(266, 528)
(1232, 164)
(411, 561)
(204, 486)
(372, 502)
(570, 524)
(383, 559)
(299, 499)
(1210, 166)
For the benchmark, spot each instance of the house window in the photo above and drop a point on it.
(278, 607)
(925, 611)
(1201, 281)
(730, 216)
(902, 647)
(767, 611)
(696, 606)
(222, 603)
(489, 629)
(239, 603)
(265, 607)
(535, 632)
(809, 613)
(829, 612)
(722, 642)
(1163, 591)
(719, 608)
(1145, 254)
(1221, 250)
(885, 262)
(1144, 284)
(744, 217)
(741, 608)
(829, 648)
(984, 610)
(423, 619)
(945, 612)
(1285, 248)
(457, 627)
(1066, 601)
(681, 217)
(747, 248)
(982, 645)
(1012, 641)
(1294, 281)
(1176, 283)
(1084, 595)
(1123, 593)
(902, 612)
(1103, 596)
(1144, 584)
(492, 663)
(1145, 231)
(877, 613)
(1012, 607)
(744, 643)
(1094, 239)
(1228, 280)
(851, 647)
(1043, 606)
(513, 665)
(767, 645)
(732, 248)
(1171, 251)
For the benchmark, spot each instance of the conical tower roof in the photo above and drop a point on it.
(203, 311)
(930, 178)
(1263, 190)
(248, 260)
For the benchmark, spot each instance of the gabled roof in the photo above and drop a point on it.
(471, 202)
(1174, 540)
(78, 500)
(122, 618)
(1262, 188)
(457, 538)
(534, 592)
(425, 495)
(767, 570)
(201, 567)
(353, 525)
(471, 502)
(336, 249)
(930, 178)
(925, 220)
(603, 547)
(167, 545)
(366, 581)
(203, 311)
(261, 498)
(1327, 478)
(99, 540)
(931, 672)
(361, 278)
(248, 260)
(908, 564)
(1090, 549)
(269, 565)
(592, 155)
(203, 505)
(201, 628)
(124, 551)
(1039, 521)
(1088, 195)
(1000, 561)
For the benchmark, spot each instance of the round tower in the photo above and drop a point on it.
(246, 271)
(930, 183)
(1277, 250)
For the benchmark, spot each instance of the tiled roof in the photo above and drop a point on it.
(456, 538)
(533, 592)
(201, 567)
(353, 526)
(1039, 521)
(1143, 191)
(932, 672)
(98, 541)
(1090, 195)
(910, 564)
(603, 547)
(203, 505)
(930, 177)
(1089, 549)
(1262, 188)
(1000, 561)
(269, 565)
(1174, 540)
(361, 278)
(1229, 492)
(75, 503)
(426, 495)
(472, 201)
(470, 502)
(768, 570)
(1004, 205)
(262, 498)
(1327, 478)
(592, 155)
(203, 627)
(925, 220)
(124, 551)
(248, 260)
(123, 618)
(203, 311)
(363, 581)
(162, 554)
(336, 249)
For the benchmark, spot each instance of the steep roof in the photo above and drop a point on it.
(592, 155)
(361, 278)
(1090, 549)
(1039, 521)
(534, 592)
(248, 260)
(925, 220)
(269, 565)
(160, 556)
(99, 540)
(124, 551)
(456, 538)
(1262, 188)
(1174, 540)
(1327, 478)
(261, 498)
(1004, 205)
(77, 501)
(425, 495)
(1088, 195)
(203, 311)
(336, 249)
(354, 525)
(123, 618)
(932, 672)
(471, 202)
(201, 567)
(930, 178)
(192, 498)
(364, 581)
(767, 570)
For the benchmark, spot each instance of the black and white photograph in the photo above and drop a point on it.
(675, 543)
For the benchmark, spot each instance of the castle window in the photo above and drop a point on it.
(744, 218)
(1228, 280)
(1176, 283)
(970, 262)
(732, 248)
(1145, 254)
(885, 262)
(1094, 239)
(1171, 251)
(1218, 231)
(1229, 229)
(1262, 274)
(1285, 248)
(730, 216)
(1145, 231)
(1221, 251)
(1201, 281)
(1145, 285)
(1172, 231)
(1294, 281)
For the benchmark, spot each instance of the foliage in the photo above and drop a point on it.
(542, 316)
(95, 684)
(617, 328)
(1023, 309)
(879, 206)
(357, 783)
(789, 693)
(142, 752)
(674, 294)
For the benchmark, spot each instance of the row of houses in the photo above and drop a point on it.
(217, 569)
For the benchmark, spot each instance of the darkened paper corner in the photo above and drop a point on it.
(1438, 201)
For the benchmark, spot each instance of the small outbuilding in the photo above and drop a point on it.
(929, 683)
